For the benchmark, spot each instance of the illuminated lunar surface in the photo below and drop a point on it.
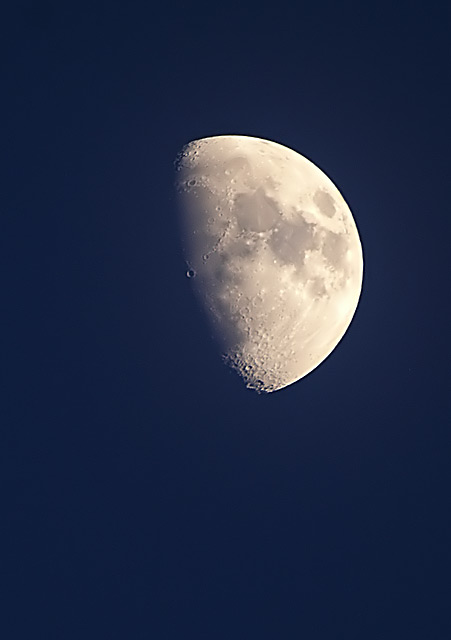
(273, 255)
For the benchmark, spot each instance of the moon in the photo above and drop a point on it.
(273, 255)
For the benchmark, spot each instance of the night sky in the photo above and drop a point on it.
(147, 494)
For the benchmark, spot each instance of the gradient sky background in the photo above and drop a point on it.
(147, 493)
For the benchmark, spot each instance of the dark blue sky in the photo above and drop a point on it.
(147, 493)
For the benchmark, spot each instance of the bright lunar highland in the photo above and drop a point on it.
(272, 252)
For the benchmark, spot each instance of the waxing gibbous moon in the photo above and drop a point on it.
(272, 252)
